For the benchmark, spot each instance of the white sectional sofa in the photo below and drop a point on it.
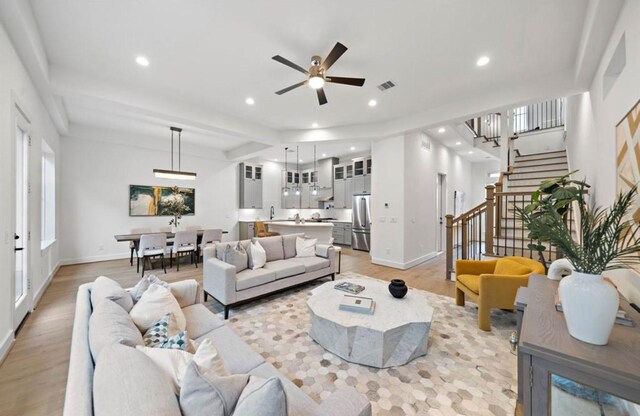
(128, 383)
(282, 270)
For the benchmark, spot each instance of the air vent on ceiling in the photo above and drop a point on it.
(386, 85)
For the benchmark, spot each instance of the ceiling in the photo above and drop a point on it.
(206, 58)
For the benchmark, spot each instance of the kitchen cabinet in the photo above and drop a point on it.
(341, 233)
(247, 230)
(250, 181)
(362, 175)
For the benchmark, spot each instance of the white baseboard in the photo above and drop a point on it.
(5, 345)
(45, 285)
(92, 259)
(406, 265)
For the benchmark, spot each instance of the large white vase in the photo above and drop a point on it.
(590, 306)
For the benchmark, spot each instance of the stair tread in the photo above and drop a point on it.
(543, 153)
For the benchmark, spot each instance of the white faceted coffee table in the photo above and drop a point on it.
(396, 333)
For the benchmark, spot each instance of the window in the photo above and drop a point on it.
(48, 202)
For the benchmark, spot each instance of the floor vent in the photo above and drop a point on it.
(386, 85)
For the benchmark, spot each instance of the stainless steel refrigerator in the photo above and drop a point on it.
(361, 222)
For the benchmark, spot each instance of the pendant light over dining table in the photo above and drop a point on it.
(175, 174)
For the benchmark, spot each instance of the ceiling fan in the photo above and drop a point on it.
(317, 73)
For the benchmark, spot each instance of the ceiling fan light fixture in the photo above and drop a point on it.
(316, 82)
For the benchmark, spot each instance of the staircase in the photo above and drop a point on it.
(492, 229)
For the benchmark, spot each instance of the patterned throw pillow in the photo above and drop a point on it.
(159, 335)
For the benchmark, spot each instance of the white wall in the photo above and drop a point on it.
(480, 179)
(96, 175)
(409, 186)
(592, 117)
(17, 88)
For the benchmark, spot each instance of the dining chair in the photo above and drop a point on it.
(166, 230)
(133, 246)
(184, 243)
(151, 246)
(209, 237)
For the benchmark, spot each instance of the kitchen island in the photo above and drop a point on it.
(320, 230)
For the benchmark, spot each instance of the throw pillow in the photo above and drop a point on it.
(306, 247)
(258, 255)
(273, 247)
(110, 324)
(204, 396)
(236, 256)
(220, 248)
(143, 284)
(174, 362)
(127, 382)
(510, 267)
(166, 334)
(154, 304)
(262, 398)
(105, 288)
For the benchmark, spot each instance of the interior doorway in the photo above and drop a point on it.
(22, 287)
(441, 209)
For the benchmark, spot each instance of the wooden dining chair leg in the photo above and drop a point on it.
(177, 261)
(164, 267)
(131, 259)
(138, 265)
(144, 263)
(194, 254)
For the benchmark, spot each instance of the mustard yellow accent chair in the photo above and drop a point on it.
(261, 230)
(493, 283)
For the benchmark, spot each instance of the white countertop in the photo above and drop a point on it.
(293, 224)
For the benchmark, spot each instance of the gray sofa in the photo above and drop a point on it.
(282, 270)
(127, 388)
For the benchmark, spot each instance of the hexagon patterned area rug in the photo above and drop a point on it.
(466, 371)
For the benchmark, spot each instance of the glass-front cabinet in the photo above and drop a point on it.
(250, 186)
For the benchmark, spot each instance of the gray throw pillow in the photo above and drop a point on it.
(236, 256)
(202, 396)
(110, 324)
(289, 244)
(262, 398)
(127, 382)
(273, 247)
(105, 288)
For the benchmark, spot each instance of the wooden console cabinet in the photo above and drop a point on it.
(546, 349)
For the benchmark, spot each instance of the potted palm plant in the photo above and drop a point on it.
(175, 206)
(607, 239)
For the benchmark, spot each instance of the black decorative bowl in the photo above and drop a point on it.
(398, 288)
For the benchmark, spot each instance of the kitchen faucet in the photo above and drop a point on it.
(272, 212)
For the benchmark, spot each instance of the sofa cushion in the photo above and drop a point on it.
(289, 244)
(285, 268)
(200, 320)
(220, 247)
(236, 256)
(153, 305)
(204, 396)
(105, 288)
(273, 246)
(469, 280)
(251, 278)
(143, 284)
(510, 267)
(110, 324)
(298, 402)
(238, 356)
(312, 264)
(127, 382)
(306, 247)
(262, 398)
(257, 255)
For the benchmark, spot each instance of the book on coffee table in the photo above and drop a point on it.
(349, 287)
(358, 304)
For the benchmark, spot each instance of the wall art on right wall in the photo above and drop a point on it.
(628, 154)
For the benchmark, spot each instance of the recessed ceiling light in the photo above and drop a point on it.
(482, 61)
(458, 143)
(300, 161)
(441, 130)
(250, 101)
(324, 155)
(352, 148)
(275, 160)
(373, 103)
(314, 125)
(142, 60)
(470, 152)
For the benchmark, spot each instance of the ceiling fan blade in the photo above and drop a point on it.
(357, 82)
(294, 86)
(290, 64)
(333, 56)
(322, 99)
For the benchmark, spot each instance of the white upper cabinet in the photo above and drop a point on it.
(250, 186)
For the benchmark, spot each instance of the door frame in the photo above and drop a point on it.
(441, 209)
(21, 121)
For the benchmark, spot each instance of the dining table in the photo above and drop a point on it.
(135, 238)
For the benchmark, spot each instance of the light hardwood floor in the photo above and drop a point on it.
(33, 376)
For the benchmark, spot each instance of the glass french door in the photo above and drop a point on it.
(23, 296)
